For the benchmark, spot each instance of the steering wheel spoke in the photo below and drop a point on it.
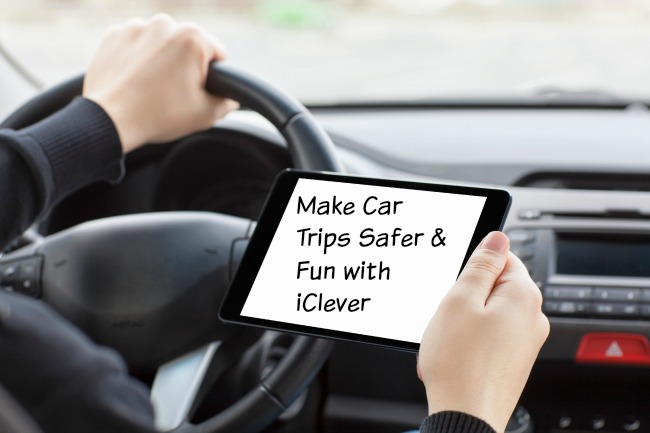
(175, 389)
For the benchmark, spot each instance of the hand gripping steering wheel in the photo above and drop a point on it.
(150, 285)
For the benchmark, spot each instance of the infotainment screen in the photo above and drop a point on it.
(609, 255)
(358, 258)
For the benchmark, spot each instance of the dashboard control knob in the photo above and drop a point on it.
(520, 236)
(632, 424)
(598, 423)
(530, 214)
(564, 422)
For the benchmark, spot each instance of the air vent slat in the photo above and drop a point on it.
(615, 214)
(592, 181)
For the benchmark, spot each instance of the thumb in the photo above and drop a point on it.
(485, 265)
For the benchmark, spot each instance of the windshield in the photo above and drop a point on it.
(325, 51)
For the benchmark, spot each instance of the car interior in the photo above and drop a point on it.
(576, 165)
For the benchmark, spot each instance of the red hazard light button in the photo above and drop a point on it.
(614, 348)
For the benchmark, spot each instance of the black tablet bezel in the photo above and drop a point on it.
(492, 218)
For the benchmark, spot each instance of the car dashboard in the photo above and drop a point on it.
(580, 220)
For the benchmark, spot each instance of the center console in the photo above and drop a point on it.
(589, 254)
(595, 274)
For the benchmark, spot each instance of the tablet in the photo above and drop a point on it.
(358, 258)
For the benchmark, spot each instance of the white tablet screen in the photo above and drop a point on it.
(364, 259)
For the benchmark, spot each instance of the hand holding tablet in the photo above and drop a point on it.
(356, 258)
(479, 348)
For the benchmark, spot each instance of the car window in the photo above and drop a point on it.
(368, 50)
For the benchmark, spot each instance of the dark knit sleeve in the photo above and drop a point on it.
(454, 422)
(51, 159)
(62, 379)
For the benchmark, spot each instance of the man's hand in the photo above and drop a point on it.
(478, 350)
(149, 77)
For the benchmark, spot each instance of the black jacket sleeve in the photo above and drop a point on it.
(56, 373)
(63, 380)
(47, 161)
(454, 422)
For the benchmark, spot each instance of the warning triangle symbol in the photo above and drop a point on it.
(614, 350)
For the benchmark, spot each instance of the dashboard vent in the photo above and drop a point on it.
(587, 181)
(610, 214)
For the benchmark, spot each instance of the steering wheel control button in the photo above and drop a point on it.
(9, 272)
(7, 276)
(29, 268)
(614, 348)
(22, 276)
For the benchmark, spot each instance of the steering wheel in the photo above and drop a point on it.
(150, 285)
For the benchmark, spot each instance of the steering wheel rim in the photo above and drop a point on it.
(310, 148)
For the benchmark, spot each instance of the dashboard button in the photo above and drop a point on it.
(598, 423)
(646, 295)
(614, 348)
(645, 310)
(632, 424)
(609, 309)
(564, 422)
(530, 214)
(521, 236)
(616, 294)
(561, 292)
(524, 252)
(566, 307)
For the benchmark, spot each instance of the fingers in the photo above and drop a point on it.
(149, 76)
(544, 327)
(522, 287)
(226, 106)
(162, 19)
(485, 266)
(192, 38)
(165, 25)
(515, 269)
(216, 108)
(217, 48)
